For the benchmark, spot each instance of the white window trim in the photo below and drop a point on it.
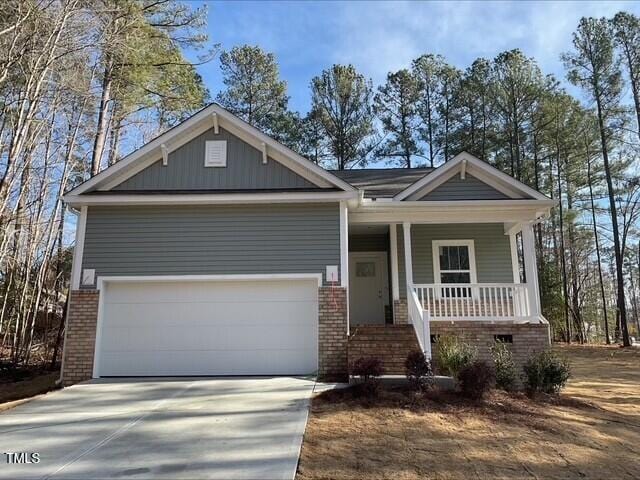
(470, 244)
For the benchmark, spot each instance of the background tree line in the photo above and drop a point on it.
(581, 151)
(80, 84)
(83, 83)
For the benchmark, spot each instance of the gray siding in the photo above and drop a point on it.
(369, 243)
(492, 248)
(205, 239)
(244, 170)
(468, 189)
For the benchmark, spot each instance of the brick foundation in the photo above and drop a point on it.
(528, 338)
(80, 336)
(332, 332)
(400, 313)
(390, 343)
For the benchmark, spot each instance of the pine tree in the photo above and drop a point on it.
(341, 98)
(396, 106)
(592, 66)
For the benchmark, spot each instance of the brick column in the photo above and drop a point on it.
(80, 336)
(332, 332)
(400, 313)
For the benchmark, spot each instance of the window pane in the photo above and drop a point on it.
(464, 277)
(453, 259)
(365, 269)
(444, 259)
(463, 257)
(460, 277)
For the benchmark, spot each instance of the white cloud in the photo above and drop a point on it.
(378, 37)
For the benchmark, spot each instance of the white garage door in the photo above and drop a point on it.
(209, 328)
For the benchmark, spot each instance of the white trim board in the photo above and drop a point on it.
(209, 278)
(206, 199)
(476, 167)
(191, 128)
(78, 249)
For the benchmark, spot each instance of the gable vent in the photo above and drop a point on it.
(215, 154)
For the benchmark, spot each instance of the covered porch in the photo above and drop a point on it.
(429, 267)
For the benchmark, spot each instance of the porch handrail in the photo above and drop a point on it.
(419, 318)
(474, 301)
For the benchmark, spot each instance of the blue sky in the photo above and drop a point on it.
(378, 37)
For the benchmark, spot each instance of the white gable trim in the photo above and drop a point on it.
(210, 199)
(195, 126)
(473, 166)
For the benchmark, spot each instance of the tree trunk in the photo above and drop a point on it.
(597, 241)
(622, 308)
(103, 122)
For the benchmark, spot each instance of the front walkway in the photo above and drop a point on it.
(227, 428)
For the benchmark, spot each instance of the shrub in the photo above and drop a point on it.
(418, 370)
(546, 372)
(368, 370)
(505, 367)
(476, 379)
(453, 354)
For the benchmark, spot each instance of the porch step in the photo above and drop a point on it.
(389, 343)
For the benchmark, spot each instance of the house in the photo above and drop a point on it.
(215, 250)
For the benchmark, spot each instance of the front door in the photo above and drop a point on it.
(367, 287)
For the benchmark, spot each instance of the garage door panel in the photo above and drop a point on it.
(202, 328)
(128, 339)
(238, 362)
(160, 315)
(167, 292)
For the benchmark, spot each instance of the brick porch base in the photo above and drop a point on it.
(528, 338)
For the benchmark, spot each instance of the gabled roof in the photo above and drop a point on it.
(205, 119)
(466, 163)
(381, 182)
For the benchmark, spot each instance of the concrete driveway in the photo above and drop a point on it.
(187, 428)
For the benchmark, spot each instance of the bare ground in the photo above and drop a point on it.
(13, 393)
(592, 430)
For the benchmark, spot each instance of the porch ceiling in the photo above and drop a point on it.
(368, 229)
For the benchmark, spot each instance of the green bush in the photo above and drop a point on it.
(453, 355)
(418, 370)
(368, 370)
(546, 372)
(505, 367)
(476, 379)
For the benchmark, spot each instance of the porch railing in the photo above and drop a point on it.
(419, 318)
(474, 301)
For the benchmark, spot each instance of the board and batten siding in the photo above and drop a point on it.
(211, 240)
(468, 189)
(492, 251)
(185, 169)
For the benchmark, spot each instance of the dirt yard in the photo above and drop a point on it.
(591, 431)
(13, 392)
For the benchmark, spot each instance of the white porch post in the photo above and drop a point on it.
(393, 244)
(344, 245)
(530, 268)
(408, 264)
(344, 254)
(78, 249)
(514, 257)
